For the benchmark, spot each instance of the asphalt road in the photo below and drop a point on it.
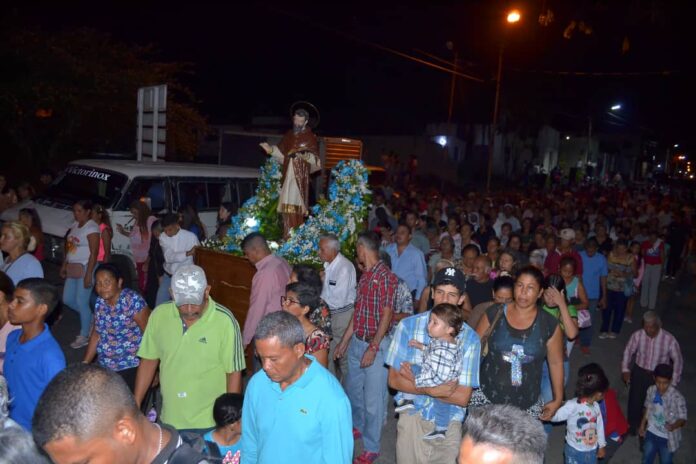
(677, 307)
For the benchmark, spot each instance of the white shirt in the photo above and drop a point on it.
(175, 248)
(339, 283)
(77, 245)
(585, 427)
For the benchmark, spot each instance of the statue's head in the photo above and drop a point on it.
(300, 118)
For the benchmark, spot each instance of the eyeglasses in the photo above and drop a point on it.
(284, 299)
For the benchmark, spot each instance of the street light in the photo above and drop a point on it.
(616, 107)
(512, 17)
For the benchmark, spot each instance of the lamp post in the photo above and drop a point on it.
(512, 17)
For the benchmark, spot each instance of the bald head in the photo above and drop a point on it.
(255, 247)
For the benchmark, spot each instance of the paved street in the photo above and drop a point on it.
(678, 311)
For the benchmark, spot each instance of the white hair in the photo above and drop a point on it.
(332, 241)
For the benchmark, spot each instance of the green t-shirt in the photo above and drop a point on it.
(556, 312)
(194, 363)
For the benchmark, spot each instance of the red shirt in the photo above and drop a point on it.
(652, 255)
(578, 261)
(376, 291)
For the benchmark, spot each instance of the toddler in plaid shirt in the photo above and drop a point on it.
(442, 363)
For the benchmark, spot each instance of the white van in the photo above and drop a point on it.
(115, 184)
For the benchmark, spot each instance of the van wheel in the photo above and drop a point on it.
(127, 269)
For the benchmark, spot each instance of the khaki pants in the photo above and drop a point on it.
(412, 449)
(339, 324)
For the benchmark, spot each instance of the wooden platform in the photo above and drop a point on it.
(230, 277)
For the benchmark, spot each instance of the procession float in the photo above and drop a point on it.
(279, 210)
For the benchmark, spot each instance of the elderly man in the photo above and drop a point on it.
(480, 287)
(651, 345)
(177, 247)
(87, 414)
(268, 284)
(366, 342)
(294, 409)
(502, 434)
(408, 262)
(338, 292)
(448, 287)
(197, 345)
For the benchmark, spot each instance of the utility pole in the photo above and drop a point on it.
(494, 125)
(452, 87)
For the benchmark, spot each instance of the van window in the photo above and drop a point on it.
(203, 194)
(152, 191)
(85, 183)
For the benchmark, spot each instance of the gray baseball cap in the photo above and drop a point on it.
(188, 285)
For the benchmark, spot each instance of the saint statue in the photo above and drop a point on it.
(298, 151)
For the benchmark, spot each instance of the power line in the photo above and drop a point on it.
(665, 73)
(378, 46)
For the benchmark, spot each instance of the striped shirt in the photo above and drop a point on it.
(649, 352)
(416, 327)
(376, 291)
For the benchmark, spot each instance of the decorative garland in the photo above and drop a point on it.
(343, 215)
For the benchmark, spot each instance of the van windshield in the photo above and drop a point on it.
(85, 183)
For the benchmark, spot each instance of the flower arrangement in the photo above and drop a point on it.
(342, 214)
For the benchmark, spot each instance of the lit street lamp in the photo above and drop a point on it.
(616, 107)
(513, 17)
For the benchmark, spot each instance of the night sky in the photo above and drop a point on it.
(256, 59)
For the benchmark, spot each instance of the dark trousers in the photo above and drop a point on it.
(641, 379)
(616, 306)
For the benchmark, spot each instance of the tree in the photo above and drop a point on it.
(67, 94)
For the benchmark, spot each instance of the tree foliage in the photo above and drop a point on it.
(67, 94)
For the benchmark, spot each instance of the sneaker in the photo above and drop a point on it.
(612, 335)
(403, 406)
(356, 434)
(79, 342)
(435, 434)
(366, 457)
(628, 320)
(603, 335)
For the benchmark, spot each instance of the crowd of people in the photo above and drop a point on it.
(460, 313)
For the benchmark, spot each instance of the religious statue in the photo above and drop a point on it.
(298, 151)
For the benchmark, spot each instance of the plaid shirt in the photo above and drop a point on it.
(442, 362)
(674, 406)
(416, 327)
(663, 349)
(376, 291)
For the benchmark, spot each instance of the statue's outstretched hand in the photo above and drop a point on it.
(266, 147)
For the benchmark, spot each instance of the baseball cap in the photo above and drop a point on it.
(567, 234)
(188, 285)
(451, 276)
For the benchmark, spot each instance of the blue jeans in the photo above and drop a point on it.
(366, 389)
(616, 306)
(76, 297)
(586, 334)
(653, 446)
(163, 291)
(573, 456)
(547, 390)
(443, 411)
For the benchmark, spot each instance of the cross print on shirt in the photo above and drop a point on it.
(516, 358)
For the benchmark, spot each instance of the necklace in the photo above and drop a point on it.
(159, 448)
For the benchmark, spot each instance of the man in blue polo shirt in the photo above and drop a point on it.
(33, 356)
(294, 409)
(594, 277)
